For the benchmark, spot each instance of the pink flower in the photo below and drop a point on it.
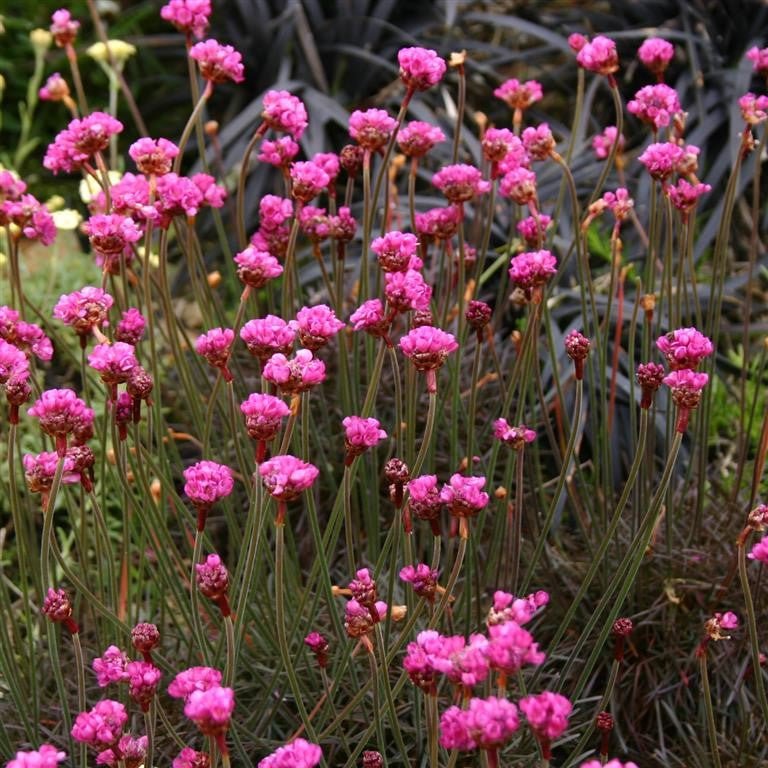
(359, 620)
(417, 661)
(62, 412)
(102, 726)
(662, 159)
(547, 714)
(329, 162)
(63, 27)
(130, 196)
(133, 752)
(267, 336)
(55, 89)
(274, 211)
(316, 326)
(460, 183)
(532, 269)
(371, 129)
(539, 142)
(519, 185)
(395, 250)
(143, 681)
(423, 579)
(759, 59)
(369, 317)
(154, 157)
(361, 434)
(279, 152)
(720, 621)
(145, 637)
(507, 607)
(189, 758)
(420, 68)
(760, 551)
(439, 223)
(31, 217)
(684, 196)
(655, 105)
(533, 229)
(207, 482)
(686, 386)
(602, 142)
(216, 346)
(130, 329)
(407, 290)
(13, 363)
(194, 679)
(754, 109)
(211, 710)
(218, 63)
(499, 143)
(424, 502)
(285, 113)
(619, 203)
(110, 667)
(650, 377)
(46, 756)
(213, 581)
(286, 477)
(57, 608)
(84, 310)
(416, 138)
(294, 376)
(599, 56)
(511, 647)
(519, 95)
(307, 181)
(319, 647)
(516, 437)
(40, 468)
(428, 347)
(363, 588)
(263, 415)
(188, 16)
(212, 194)
(485, 724)
(297, 754)
(114, 362)
(464, 496)
(655, 54)
(609, 764)
(684, 347)
(80, 140)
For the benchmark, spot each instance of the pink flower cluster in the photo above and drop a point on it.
(85, 310)
(210, 710)
(531, 269)
(207, 482)
(25, 211)
(285, 113)
(188, 16)
(216, 346)
(684, 348)
(599, 56)
(515, 437)
(46, 756)
(420, 68)
(218, 63)
(296, 375)
(416, 138)
(602, 142)
(507, 607)
(519, 95)
(316, 326)
(406, 291)
(360, 434)
(297, 754)
(371, 128)
(194, 679)
(80, 141)
(547, 714)
(286, 477)
(154, 157)
(485, 724)
(396, 250)
(655, 105)
(62, 413)
(26, 337)
(655, 54)
(268, 336)
(263, 415)
(460, 183)
(102, 726)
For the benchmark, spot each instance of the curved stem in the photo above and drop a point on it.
(149, 725)
(348, 532)
(244, 167)
(80, 667)
(711, 728)
(45, 546)
(206, 94)
(427, 439)
(229, 669)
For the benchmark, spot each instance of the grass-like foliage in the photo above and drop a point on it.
(402, 403)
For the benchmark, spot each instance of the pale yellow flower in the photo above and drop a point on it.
(120, 50)
(41, 39)
(67, 218)
(89, 187)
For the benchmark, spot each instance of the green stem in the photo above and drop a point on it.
(206, 94)
(427, 439)
(711, 728)
(229, 669)
(45, 547)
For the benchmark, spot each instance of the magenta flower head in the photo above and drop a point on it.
(315, 223)
(759, 551)
(370, 317)
(319, 647)
(424, 500)
(602, 142)
(218, 63)
(486, 724)
(130, 329)
(111, 234)
(499, 143)
(114, 362)
(85, 310)
(143, 681)
(63, 27)
(547, 716)
(519, 184)
(754, 109)
(539, 142)
(46, 756)
(515, 437)
(685, 196)
(684, 348)
(216, 346)
(719, 622)
(686, 386)
(80, 140)
(285, 113)
(428, 347)
(395, 250)
(533, 229)
(102, 726)
(655, 54)
(420, 68)
(61, 412)
(599, 56)
(438, 223)
(308, 180)
(13, 363)
(145, 637)
(213, 581)
(110, 667)
(577, 348)
(132, 751)
(188, 16)
(662, 159)
(296, 375)
(280, 152)
(372, 128)
(194, 679)
(211, 711)
(359, 620)
(57, 607)
(464, 497)
(206, 483)
(460, 183)
(759, 59)
(297, 754)
(609, 764)
(153, 157)
(511, 647)
(423, 579)
(530, 270)
(190, 758)
(285, 477)
(406, 291)
(507, 607)
(316, 326)
(519, 95)
(416, 138)
(263, 415)
(359, 435)
(40, 469)
(267, 336)
(655, 105)
(649, 377)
